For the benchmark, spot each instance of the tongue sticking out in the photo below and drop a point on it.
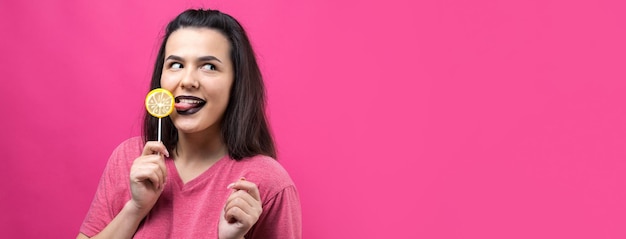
(188, 104)
(184, 106)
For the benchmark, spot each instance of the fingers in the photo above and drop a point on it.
(155, 147)
(151, 168)
(242, 200)
(148, 175)
(244, 204)
(236, 214)
(248, 186)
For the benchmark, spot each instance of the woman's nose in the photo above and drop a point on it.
(189, 80)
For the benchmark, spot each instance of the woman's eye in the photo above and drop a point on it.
(176, 65)
(209, 67)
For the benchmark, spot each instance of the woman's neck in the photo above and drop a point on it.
(200, 147)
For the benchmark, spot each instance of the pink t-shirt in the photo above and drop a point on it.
(192, 210)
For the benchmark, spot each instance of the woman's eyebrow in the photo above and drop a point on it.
(174, 57)
(202, 58)
(208, 58)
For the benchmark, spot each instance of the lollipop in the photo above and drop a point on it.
(160, 103)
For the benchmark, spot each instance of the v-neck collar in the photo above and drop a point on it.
(175, 177)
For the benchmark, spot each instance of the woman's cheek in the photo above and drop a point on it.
(167, 82)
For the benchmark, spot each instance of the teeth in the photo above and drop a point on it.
(190, 101)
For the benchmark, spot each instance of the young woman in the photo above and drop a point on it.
(214, 175)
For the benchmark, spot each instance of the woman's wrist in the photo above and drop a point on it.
(134, 212)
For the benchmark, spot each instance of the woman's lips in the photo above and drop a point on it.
(186, 105)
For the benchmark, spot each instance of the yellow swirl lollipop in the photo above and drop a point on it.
(160, 103)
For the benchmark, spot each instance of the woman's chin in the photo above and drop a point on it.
(192, 128)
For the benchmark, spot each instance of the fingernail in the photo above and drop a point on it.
(167, 154)
(242, 179)
(230, 185)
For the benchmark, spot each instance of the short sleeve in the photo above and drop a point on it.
(113, 189)
(281, 217)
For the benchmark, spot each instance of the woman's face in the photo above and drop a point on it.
(199, 73)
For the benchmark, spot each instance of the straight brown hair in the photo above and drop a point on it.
(245, 130)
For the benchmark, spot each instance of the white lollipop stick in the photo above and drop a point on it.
(159, 130)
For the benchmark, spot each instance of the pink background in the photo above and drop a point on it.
(396, 119)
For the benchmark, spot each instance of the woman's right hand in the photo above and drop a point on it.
(148, 175)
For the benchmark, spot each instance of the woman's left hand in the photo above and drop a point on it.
(242, 210)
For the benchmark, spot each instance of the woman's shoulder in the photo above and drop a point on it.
(266, 172)
(265, 165)
(127, 151)
(262, 161)
(131, 145)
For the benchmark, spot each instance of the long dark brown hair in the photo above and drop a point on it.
(244, 126)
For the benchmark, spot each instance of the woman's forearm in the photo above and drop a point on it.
(124, 225)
